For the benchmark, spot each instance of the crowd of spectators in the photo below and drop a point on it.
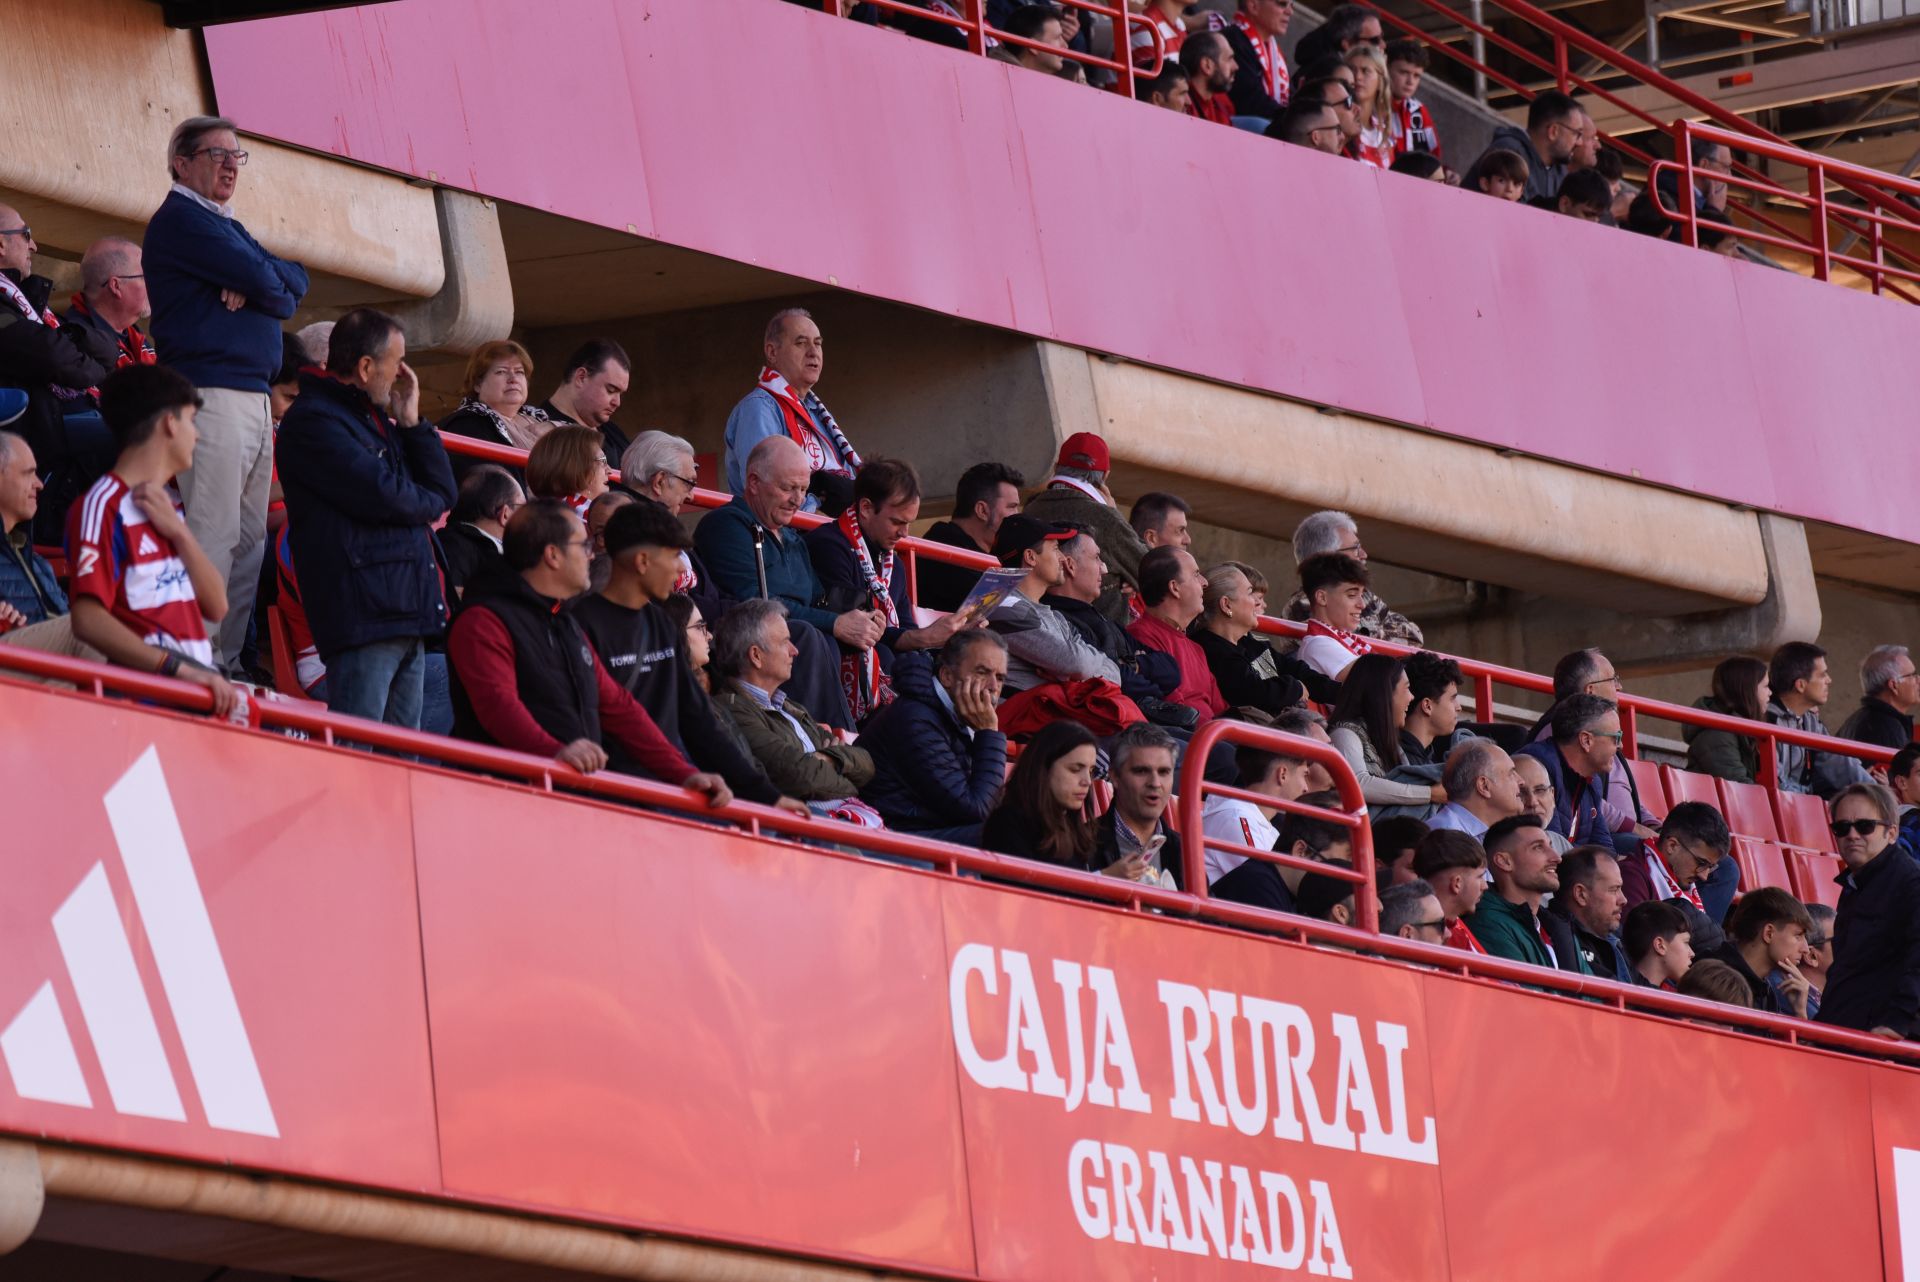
(545, 609)
(1349, 91)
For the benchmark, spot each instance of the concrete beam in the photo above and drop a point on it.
(475, 305)
(94, 162)
(1854, 66)
(1258, 463)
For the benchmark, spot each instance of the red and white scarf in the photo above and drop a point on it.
(811, 426)
(1273, 63)
(1665, 884)
(18, 297)
(1075, 483)
(866, 685)
(1355, 645)
(1458, 936)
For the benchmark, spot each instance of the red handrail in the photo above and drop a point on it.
(1741, 133)
(1822, 172)
(1195, 789)
(330, 729)
(974, 25)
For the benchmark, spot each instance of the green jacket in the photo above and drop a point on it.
(1719, 752)
(1511, 931)
(832, 771)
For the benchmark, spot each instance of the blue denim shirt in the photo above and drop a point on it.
(27, 582)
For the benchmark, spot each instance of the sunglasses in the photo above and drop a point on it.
(1858, 827)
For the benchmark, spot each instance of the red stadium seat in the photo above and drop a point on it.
(1685, 785)
(1762, 863)
(1803, 820)
(1653, 788)
(1749, 810)
(1813, 873)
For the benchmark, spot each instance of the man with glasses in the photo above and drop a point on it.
(1347, 25)
(218, 302)
(51, 364)
(1591, 672)
(753, 551)
(1585, 745)
(1555, 124)
(1333, 531)
(1310, 122)
(1693, 842)
(1890, 688)
(112, 301)
(1410, 910)
(1874, 983)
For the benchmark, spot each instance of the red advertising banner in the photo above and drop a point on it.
(209, 945)
(666, 1023)
(231, 948)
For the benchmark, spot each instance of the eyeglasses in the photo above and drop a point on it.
(1618, 736)
(1438, 924)
(687, 481)
(131, 276)
(1346, 101)
(21, 230)
(1611, 679)
(221, 155)
(700, 625)
(1820, 941)
(1858, 827)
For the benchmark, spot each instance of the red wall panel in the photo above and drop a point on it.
(846, 155)
(651, 1023)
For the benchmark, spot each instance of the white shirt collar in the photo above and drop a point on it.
(225, 211)
(498, 546)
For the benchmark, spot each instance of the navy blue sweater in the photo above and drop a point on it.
(191, 254)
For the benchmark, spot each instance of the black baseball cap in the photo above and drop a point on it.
(1019, 532)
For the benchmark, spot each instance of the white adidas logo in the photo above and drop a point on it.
(147, 546)
(38, 1049)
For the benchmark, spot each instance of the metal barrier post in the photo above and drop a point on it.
(1561, 76)
(1477, 10)
(1817, 193)
(1689, 214)
(976, 26)
(1629, 730)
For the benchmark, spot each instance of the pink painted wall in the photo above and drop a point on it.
(834, 152)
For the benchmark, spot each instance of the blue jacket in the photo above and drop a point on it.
(845, 588)
(1874, 981)
(362, 496)
(1909, 832)
(191, 254)
(27, 582)
(1578, 813)
(926, 772)
(724, 539)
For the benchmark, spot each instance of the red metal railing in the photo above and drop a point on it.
(172, 697)
(972, 23)
(1195, 789)
(1739, 132)
(1822, 172)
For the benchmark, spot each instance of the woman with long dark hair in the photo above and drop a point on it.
(1740, 689)
(1042, 814)
(1374, 697)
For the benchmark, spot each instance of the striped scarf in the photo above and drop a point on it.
(865, 682)
(811, 426)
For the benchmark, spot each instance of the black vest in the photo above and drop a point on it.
(553, 665)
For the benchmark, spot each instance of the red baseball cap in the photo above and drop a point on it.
(1087, 451)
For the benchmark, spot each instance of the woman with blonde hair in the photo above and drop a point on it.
(1373, 105)
(569, 464)
(493, 405)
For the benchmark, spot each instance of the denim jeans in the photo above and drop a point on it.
(381, 681)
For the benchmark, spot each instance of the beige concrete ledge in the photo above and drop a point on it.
(96, 87)
(1258, 463)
